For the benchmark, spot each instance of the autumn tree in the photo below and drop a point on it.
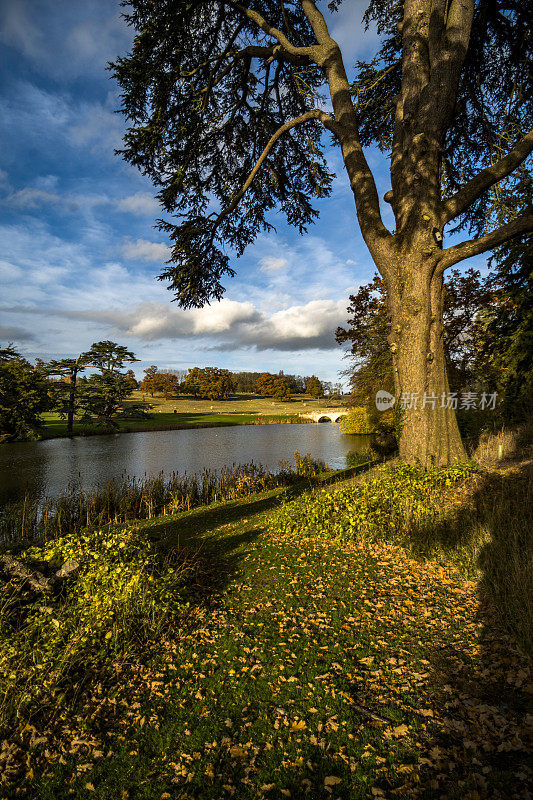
(148, 383)
(167, 383)
(466, 297)
(314, 387)
(505, 357)
(227, 99)
(132, 380)
(275, 386)
(209, 382)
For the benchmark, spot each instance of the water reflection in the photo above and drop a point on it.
(46, 468)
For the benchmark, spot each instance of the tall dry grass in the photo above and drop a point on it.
(36, 519)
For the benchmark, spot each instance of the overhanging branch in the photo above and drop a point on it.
(326, 120)
(474, 247)
(269, 29)
(487, 177)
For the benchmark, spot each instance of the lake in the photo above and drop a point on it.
(45, 468)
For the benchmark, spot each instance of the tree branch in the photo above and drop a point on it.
(326, 120)
(317, 21)
(473, 247)
(269, 29)
(487, 178)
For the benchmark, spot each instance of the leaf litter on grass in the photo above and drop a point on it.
(324, 669)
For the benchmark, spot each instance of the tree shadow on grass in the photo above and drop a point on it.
(483, 691)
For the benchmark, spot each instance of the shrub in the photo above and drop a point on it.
(356, 421)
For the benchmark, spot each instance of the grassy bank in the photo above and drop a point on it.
(240, 650)
(186, 412)
(54, 427)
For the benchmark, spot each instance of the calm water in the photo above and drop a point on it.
(45, 468)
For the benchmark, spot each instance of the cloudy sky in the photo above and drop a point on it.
(79, 253)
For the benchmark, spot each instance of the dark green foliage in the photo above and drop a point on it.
(200, 120)
(108, 356)
(506, 354)
(64, 392)
(102, 394)
(203, 101)
(23, 395)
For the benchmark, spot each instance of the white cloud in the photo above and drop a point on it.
(271, 264)
(299, 327)
(32, 198)
(12, 333)
(144, 250)
(162, 321)
(64, 39)
(10, 272)
(225, 325)
(97, 126)
(140, 203)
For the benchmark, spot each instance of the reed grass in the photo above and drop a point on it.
(35, 519)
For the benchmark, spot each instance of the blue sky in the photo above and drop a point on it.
(79, 253)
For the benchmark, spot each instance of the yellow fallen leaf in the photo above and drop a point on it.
(331, 780)
(298, 726)
(237, 752)
(400, 730)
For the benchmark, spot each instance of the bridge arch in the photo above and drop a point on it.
(325, 416)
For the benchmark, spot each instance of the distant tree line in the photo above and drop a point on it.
(214, 383)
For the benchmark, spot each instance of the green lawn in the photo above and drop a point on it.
(303, 668)
(188, 412)
(55, 427)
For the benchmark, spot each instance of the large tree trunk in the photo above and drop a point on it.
(427, 425)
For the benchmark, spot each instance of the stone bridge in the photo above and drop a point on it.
(329, 415)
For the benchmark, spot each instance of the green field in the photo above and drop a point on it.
(55, 427)
(186, 412)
